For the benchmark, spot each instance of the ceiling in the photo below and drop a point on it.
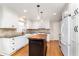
(48, 10)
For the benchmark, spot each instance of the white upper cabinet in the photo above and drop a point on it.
(35, 24)
(28, 24)
(8, 18)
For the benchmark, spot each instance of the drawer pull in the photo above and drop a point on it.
(13, 39)
(13, 48)
(13, 43)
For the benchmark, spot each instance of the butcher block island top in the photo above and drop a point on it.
(37, 44)
(38, 36)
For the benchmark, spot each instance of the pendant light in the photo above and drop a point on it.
(41, 18)
(38, 16)
(41, 14)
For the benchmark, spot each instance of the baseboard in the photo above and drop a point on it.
(54, 40)
(3, 54)
(61, 51)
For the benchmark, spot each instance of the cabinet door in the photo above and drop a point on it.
(66, 34)
(1, 46)
(20, 42)
(72, 52)
(74, 36)
(77, 34)
(36, 47)
(6, 46)
(73, 48)
(9, 18)
(64, 30)
(64, 49)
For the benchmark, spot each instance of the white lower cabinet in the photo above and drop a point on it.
(10, 45)
(6, 46)
(64, 49)
(73, 48)
(20, 42)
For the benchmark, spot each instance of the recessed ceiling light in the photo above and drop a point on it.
(54, 13)
(25, 11)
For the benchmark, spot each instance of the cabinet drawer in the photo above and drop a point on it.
(8, 44)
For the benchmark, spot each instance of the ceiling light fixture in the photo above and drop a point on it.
(41, 14)
(25, 11)
(38, 16)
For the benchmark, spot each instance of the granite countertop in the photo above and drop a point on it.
(31, 31)
(9, 32)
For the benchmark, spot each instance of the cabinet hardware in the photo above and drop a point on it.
(76, 11)
(13, 48)
(13, 43)
(76, 28)
(13, 39)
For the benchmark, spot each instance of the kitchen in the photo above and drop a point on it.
(54, 25)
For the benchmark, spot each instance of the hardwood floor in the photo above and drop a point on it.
(22, 52)
(53, 49)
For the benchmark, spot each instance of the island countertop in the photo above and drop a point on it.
(38, 36)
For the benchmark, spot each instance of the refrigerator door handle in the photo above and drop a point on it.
(75, 28)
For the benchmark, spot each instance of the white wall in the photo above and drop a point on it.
(34, 24)
(55, 27)
(0, 14)
(55, 30)
(28, 24)
(9, 17)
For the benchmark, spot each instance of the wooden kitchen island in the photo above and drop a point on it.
(37, 45)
